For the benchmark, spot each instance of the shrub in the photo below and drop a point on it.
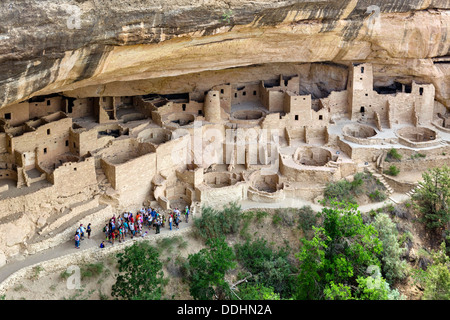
(91, 270)
(393, 267)
(339, 191)
(307, 218)
(214, 224)
(392, 171)
(269, 267)
(377, 196)
(393, 155)
(284, 216)
(140, 273)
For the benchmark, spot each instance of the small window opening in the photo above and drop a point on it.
(296, 117)
(45, 150)
(184, 107)
(48, 131)
(362, 110)
(8, 116)
(320, 117)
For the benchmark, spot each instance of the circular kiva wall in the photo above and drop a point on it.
(221, 179)
(417, 137)
(312, 156)
(359, 133)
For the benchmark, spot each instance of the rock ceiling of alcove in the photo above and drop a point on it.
(133, 47)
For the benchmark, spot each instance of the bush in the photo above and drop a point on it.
(270, 268)
(307, 218)
(392, 171)
(340, 191)
(91, 270)
(215, 224)
(140, 273)
(393, 155)
(377, 196)
(393, 267)
(284, 216)
(206, 270)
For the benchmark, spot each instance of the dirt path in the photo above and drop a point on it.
(97, 236)
(68, 247)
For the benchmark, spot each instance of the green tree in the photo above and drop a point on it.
(338, 255)
(394, 268)
(207, 268)
(433, 198)
(268, 266)
(437, 277)
(140, 273)
(255, 291)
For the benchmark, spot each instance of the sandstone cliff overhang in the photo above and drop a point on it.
(97, 46)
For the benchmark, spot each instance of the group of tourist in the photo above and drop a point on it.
(80, 232)
(129, 224)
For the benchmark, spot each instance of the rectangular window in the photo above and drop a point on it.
(67, 143)
(320, 117)
(8, 116)
(45, 150)
(296, 117)
(48, 131)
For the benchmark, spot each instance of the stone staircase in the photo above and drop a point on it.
(380, 177)
(414, 190)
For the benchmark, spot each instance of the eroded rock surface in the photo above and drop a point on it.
(99, 47)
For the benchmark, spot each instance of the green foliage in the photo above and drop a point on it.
(269, 267)
(339, 253)
(36, 272)
(91, 270)
(140, 273)
(340, 191)
(433, 199)
(437, 277)
(418, 155)
(206, 270)
(392, 171)
(393, 155)
(377, 196)
(307, 218)
(285, 216)
(256, 291)
(260, 215)
(363, 183)
(393, 267)
(214, 224)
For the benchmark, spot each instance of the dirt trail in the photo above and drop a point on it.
(97, 236)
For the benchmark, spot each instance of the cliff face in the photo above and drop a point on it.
(118, 47)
